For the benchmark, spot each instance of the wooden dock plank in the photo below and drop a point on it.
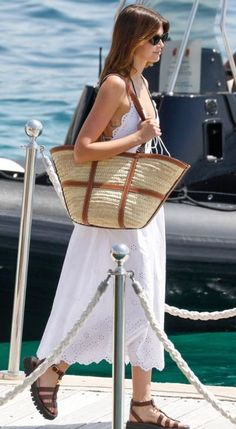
(86, 402)
(69, 409)
(183, 407)
(207, 416)
(90, 411)
(16, 409)
(218, 421)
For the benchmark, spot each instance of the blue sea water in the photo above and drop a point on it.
(49, 51)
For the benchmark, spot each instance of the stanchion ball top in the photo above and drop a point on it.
(119, 252)
(33, 128)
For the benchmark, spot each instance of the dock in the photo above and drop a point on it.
(87, 402)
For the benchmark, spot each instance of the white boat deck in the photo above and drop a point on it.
(87, 401)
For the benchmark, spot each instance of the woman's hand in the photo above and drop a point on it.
(149, 129)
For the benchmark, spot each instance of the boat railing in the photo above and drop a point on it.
(182, 49)
(180, 56)
(226, 41)
(174, 76)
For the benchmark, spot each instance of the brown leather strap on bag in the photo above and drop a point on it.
(121, 213)
(87, 197)
(89, 191)
(137, 105)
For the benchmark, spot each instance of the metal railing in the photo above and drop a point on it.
(226, 41)
(33, 129)
(174, 76)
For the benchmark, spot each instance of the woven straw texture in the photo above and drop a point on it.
(123, 192)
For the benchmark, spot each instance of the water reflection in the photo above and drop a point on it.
(200, 287)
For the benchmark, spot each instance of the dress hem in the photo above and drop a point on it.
(108, 360)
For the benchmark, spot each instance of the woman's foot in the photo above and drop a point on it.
(44, 389)
(148, 415)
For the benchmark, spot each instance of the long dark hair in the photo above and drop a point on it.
(134, 25)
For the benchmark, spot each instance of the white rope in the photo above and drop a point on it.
(196, 315)
(162, 145)
(60, 348)
(176, 356)
(52, 175)
(158, 142)
(168, 345)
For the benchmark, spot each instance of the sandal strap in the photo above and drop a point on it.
(136, 416)
(141, 404)
(48, 395)
(58, 371)
(162, 416)
(46, 389)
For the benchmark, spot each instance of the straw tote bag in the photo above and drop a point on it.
(122, 192)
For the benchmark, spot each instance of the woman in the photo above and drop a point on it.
(138, 41)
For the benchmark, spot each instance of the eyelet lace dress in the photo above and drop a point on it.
(85, 266)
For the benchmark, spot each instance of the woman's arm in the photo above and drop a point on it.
(109, 98)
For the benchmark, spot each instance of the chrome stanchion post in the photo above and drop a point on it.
(33, 129)
(120, 254)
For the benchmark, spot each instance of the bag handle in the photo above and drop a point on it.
(134, 98)
(138, 107)
(136, 101)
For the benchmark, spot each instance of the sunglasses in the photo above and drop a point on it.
(156, 39)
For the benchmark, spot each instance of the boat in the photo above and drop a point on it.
(200, 213)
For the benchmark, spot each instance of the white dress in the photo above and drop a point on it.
(86, 264)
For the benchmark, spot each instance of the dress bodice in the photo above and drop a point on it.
(129, 124)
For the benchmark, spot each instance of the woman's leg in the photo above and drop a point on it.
(141, 393)
(141, 384)
(148, 413)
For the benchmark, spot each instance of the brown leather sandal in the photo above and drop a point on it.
(163, 421)
(40, 394)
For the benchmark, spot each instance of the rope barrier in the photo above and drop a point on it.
(196, 315)
(176, 356)
(168, 345)
(60, 348)
(48, 165)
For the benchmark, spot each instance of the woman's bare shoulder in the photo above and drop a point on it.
(114, 83)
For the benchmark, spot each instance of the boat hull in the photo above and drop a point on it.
(200, 260)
